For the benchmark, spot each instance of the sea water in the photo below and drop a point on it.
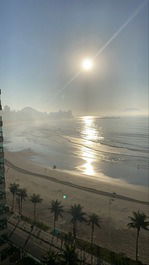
(89, 145)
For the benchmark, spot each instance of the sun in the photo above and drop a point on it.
(87, 64)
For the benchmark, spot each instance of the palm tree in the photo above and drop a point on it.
(69, 255)
(77, 216)
(57, 210)
(22, 194)
(138, 221)
(35, 198)
(13, 189)
(94, 220)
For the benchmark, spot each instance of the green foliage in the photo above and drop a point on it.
(94, 220)
(14, 188)
(78, 215)
(138, 221)
(35, 198)
(51, 258)
(57, 209)
(21, 196)
(69, 255)
(100, 252)
(22, 193)
(40, 225)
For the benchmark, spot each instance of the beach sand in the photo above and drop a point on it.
(114, 234)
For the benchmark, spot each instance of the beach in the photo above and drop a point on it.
(114, 233)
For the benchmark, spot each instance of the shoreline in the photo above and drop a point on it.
(117, 211)
(75, 186)
(100, 182)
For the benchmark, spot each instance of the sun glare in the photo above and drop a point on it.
(87, 64)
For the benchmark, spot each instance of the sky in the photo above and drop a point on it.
(42, 44)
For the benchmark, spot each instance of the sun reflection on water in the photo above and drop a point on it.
(90, 136)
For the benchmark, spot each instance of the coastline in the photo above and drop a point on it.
(118, 211)
(23, 159)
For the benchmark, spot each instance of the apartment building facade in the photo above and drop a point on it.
(3, 206)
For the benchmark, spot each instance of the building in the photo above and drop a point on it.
(3, 206)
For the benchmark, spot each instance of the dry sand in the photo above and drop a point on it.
(114, 235)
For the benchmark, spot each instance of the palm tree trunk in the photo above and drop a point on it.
(54, 223)
(34, 212)
(92, 233)
(74, 230)
(21, 205)
(137, 241)
(13, 202)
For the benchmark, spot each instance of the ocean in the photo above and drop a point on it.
(117, 148)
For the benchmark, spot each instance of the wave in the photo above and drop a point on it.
(112, 149)
(119, 145)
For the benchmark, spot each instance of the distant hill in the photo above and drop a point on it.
(29, 113)
(29, 110)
